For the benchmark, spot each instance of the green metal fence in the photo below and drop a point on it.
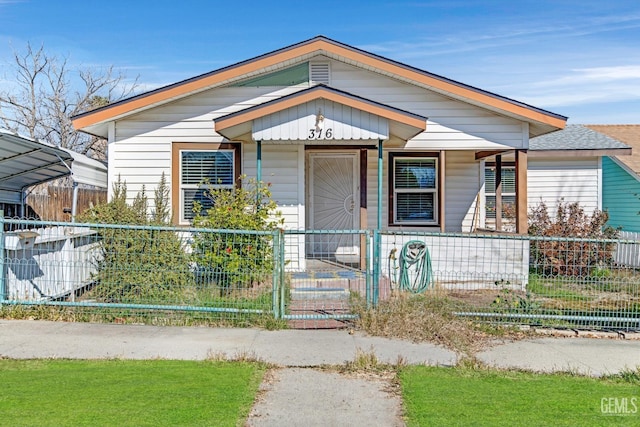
(313, 278)
(547, 281)
(166, 274)
(327, 272)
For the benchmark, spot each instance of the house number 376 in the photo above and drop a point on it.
(320, 133)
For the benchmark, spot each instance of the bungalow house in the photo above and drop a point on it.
(324, 122)
(349, 140)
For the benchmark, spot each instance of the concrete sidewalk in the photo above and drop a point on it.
(298, 348)
(297, 391)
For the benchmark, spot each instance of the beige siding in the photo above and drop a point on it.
(140, 149)
(461, 190)
(576, 180)
(450, 122)
(280, 169)
(462, 186)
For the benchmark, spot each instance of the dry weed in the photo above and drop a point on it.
(429, 318)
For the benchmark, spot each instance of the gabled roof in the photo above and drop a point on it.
(413, 123)
(579, 138)
(25, 162)
(628, 134)
(541, 121)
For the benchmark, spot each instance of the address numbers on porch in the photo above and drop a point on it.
(320, 133)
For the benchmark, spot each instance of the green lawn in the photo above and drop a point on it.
(446, 396)
(126, 393)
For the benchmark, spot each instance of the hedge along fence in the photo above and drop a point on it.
(130, 268)
(142, 268)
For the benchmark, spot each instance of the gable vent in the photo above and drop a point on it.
(320, 72)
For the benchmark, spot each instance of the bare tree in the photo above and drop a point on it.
(48, 92)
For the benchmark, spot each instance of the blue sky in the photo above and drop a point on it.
(578, 58)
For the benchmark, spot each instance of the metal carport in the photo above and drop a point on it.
(25, 162)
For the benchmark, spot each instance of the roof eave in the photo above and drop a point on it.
(319, 45)
(581, 152)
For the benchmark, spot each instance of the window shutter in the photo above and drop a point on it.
(320, 72)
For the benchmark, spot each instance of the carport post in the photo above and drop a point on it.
(74, 202)
(3, 290)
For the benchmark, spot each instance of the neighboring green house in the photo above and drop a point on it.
(621, 178)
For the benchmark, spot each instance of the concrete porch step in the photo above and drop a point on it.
(300, 294)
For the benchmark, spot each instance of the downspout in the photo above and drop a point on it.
(258, 172)
(259, 161)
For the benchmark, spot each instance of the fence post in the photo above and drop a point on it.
(282, 276)
(3, 276)
(275, 304)
(368, 268)
(377, 249)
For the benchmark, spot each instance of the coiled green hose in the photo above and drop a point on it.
(414, 255)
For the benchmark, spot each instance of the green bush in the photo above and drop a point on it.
(136, 264)
(570, 257)
(236, 260)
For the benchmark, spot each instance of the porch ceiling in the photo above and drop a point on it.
(320, 114)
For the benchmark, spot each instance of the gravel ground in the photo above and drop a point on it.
(309, 397)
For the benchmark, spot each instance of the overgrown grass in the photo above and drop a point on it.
(481, 396)
(126, 393)
(430, 318)
(140, 316)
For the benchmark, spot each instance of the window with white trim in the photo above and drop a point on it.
(508, 191)
(414, 182)
(200, 171)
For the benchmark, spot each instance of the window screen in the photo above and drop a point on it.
(415, 190)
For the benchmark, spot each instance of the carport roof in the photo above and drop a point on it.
(25, 162)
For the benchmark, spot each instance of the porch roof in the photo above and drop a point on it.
(319, 107)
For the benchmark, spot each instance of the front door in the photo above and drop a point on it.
(334, 204)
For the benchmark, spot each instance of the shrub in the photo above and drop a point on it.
(579, 257)
(137, 264)
(237, 260)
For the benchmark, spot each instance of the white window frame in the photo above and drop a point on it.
(182, 187)
(434, 190)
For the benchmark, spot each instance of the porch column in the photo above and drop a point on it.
(522, 225)
(364, 222)
(379, 224)
(498, 191)
(441, 191)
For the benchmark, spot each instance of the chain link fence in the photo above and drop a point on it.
(313, 278)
